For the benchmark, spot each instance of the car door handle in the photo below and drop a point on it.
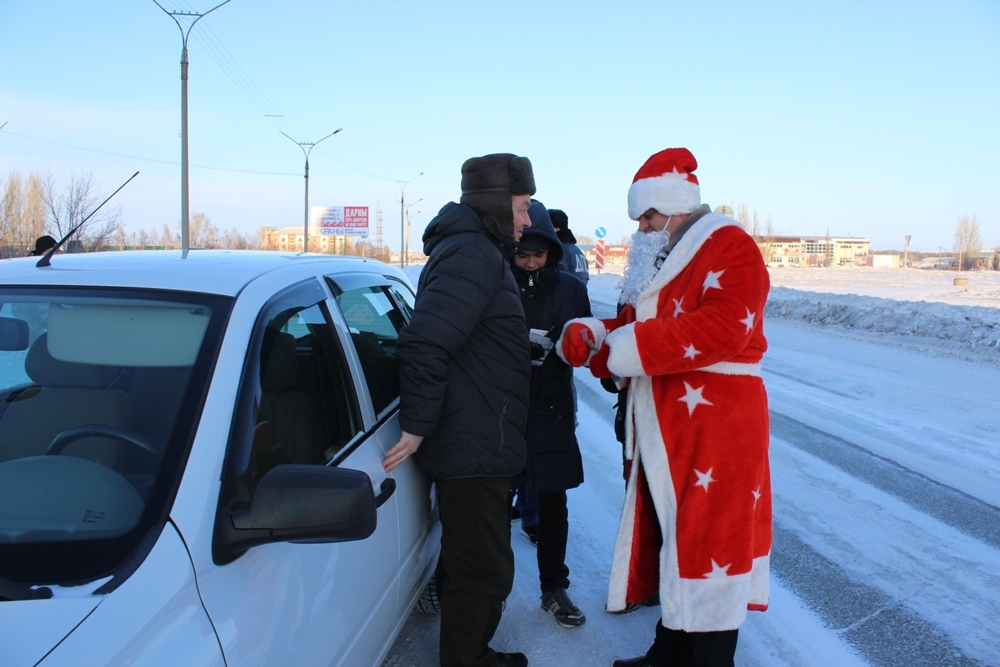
(387, 489)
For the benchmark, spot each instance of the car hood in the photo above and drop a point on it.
(39, 626)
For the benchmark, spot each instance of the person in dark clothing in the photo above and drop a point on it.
(42, 245)
(465, 368)
(573, 260)
(550, 298)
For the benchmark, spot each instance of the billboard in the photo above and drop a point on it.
(338, 220)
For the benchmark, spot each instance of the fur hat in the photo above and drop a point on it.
(488, 183)
(561, 220)
(666, 183)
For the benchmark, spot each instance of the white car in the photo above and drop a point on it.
(191, 461)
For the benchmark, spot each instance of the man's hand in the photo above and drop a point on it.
(407, 445)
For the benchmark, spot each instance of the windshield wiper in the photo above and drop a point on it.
(11, 590)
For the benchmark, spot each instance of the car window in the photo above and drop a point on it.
(404, 297)
(305, 407)
(375, 322)
(99, 393)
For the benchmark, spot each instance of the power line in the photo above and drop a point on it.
(145, 159)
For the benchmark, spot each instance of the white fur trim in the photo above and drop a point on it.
(596, 327)
(678, 259)
(624, 358)
(692, 605)
(669, 194)
(733, 368)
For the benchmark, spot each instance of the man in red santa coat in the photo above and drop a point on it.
(696, 524)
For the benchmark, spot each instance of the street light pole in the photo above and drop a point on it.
(408, 217)
(403, 237)
(302, 145)
(193, 17)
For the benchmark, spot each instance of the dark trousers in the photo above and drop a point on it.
(553, 530)
(676, 648)
(476, 567)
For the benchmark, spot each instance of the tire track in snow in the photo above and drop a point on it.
(959, 510)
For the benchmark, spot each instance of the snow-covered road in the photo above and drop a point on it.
(886, 472)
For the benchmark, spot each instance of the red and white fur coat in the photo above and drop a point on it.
(697, 433)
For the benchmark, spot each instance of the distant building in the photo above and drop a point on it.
(290, 239)
(884, 260)
(814, 251)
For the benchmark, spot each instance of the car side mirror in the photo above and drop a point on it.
(299, 503)
(13, 334)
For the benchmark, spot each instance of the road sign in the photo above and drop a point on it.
(599, 252)
(601, 232)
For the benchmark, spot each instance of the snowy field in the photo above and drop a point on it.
(885, 454)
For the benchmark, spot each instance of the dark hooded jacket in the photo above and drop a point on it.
(554, 462)
(464, 357)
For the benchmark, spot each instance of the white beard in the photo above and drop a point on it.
(640, 267)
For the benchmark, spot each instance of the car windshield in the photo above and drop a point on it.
(99, 393)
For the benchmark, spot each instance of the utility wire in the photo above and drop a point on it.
(145, 159)
(232, 69)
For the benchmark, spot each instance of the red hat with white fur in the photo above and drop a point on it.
(666, 182)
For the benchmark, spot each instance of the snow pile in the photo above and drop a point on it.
(974, 325)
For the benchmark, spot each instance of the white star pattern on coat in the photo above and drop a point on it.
(749, 320)
(704, 478)
(756, 496)
(678, 310)
(690, 352)
(712, 280)
(718, 570)
(693, 398)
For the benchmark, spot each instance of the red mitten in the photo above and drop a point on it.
(599, 363)
(576, 344)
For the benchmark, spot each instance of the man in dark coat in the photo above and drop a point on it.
(550, 298)
(464, 373)
(573, 260)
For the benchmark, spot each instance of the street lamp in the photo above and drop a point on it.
(408, 217)
(193, 17)
(302, 145)
(403, 236)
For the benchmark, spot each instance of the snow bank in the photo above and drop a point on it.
(887, 301)
(974, 325)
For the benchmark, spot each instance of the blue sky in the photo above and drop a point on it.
(874, 119)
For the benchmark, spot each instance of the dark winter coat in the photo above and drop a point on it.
(575, 263)
(464, 357)
(554, 462)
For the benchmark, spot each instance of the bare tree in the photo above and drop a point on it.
(69, 206)
(22, 214)
(766, 242)
(202, 232)
(584, 240)
(624, 240)
(967, 240)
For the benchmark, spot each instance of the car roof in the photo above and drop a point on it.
(223, 272)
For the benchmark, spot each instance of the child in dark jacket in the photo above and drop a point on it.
(550, 297)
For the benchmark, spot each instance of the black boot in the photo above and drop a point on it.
(511, 660)
(641, 661)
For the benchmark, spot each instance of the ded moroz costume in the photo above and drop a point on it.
(689, 343)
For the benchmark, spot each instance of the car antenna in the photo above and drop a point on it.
(47, 258)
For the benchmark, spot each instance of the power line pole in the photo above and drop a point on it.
(193, 17)
(403, 235)
(302, 145)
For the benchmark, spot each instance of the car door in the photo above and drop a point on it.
(299, 403)
(375, 310)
